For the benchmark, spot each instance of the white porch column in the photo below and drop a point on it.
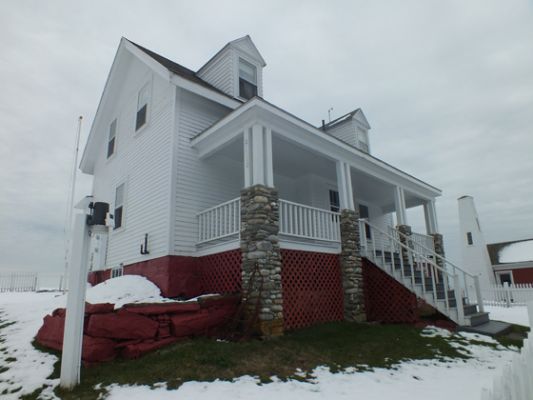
(399, 203)
(344, 183)
(258, 168)
(430, 216)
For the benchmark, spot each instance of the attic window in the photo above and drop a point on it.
(247, 80)
(469, 238)
(142, 107)
(111, 141)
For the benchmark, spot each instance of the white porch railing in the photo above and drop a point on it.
(295, 220)
(308, 222)
(220, 221)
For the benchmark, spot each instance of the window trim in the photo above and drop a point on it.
(124, 207)
(110, 157)
(149, 104)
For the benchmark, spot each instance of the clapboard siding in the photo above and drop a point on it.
(143, 162)
(345, 132)
(199, 183)
(220, 72)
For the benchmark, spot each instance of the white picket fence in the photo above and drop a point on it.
(30, 282)
(508, 294)
(515, 382)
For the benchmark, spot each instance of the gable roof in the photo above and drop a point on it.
(245, 44)
(178, 69)
(511, 252)
(356, 114)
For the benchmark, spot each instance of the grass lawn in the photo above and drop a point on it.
(336, 345)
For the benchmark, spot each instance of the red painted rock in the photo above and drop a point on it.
(97, 349)
(100, 308)
(219, 301)
(136, 350)
(189, 324)
(162, 308)
(59, 312)
(121, 325)
(51, 332)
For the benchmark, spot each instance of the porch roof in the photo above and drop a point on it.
(302, 133)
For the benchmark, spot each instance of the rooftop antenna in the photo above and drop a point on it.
(329, 113)
(70, 205)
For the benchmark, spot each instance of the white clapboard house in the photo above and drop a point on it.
(171, 149)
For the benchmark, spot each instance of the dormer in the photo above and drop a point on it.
(237, 69)
(351, 128)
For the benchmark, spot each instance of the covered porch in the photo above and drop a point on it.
(316, 176)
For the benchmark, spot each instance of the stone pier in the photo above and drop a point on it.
(261, 259)
(351, 267)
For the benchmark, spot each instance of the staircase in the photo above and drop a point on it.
(412, 261)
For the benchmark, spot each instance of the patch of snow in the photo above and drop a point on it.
(125, 289)
(516, 252)
(514, 315)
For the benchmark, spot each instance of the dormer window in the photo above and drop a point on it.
(247, 80)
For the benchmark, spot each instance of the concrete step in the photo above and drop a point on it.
(477, 319)
(490, 328)
(470, 309)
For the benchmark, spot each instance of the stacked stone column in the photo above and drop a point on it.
(351, 267)
(261, 259)
(406, 240)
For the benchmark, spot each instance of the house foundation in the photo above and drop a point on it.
(261, 259)
(351, 267)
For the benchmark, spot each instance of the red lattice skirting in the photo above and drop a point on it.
(387, 300)
(312, 288)
(180, 276)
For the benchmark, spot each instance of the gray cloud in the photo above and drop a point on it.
(447, 87)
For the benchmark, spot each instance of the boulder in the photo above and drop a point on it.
(51, 332)
(219, 301)
(162, 308)
(100, 308)
(121, 325)
(97, 349)
(189, 324)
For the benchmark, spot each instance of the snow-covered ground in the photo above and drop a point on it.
(514, 315)
(410, 380)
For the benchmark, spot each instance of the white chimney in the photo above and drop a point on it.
(475, 256)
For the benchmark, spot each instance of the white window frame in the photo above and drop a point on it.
(148, 86)
(110, 156)
(124, 207)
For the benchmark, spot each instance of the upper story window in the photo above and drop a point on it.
(469, 238)
(119, 205)
(111, 141)
(247, 80)
(142, 107)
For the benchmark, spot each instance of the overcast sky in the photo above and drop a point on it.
(447, 87)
